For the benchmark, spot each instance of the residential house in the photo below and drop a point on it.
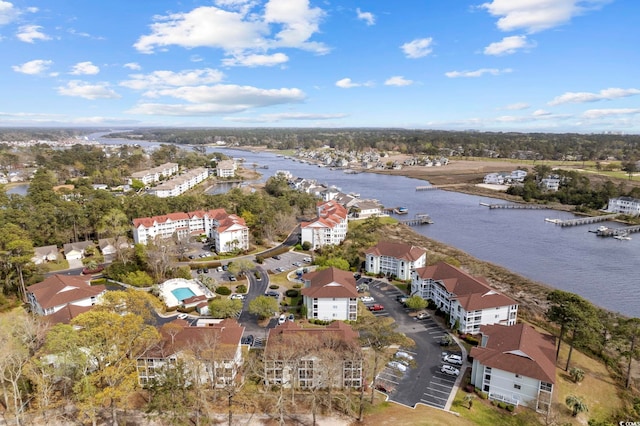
(394, 259)
(624, 205)
(363, 209)
(330, 294)
(110, 246)
(44, 254)
(58, 291)
(550, 183)
(228, 231)
(313, 358)
(494, 179)
(469, 301)
(226, 168)
(329, 228)
(516, 365)
(211, 354)
(77, 250)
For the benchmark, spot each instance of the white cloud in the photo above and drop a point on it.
(7, 12)
(134, 66)
(347, 83)
(31, 33)
(417, 48)
(285, 116)
(367, 17)
(518, 106)
(256, 60)
(477, 73)
(84, 68)
(599, 113)
(540, 113)
(537, 15)
(239, 31)
(85, 90)
(219, 99)
(508, 46)
(37, 66)
(163, 79)
(582, 97)
(398, 80)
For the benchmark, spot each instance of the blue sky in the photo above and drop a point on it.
(493, 65)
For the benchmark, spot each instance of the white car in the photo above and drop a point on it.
(307, 259)
(282, 319)
(182, 316)
(422, 315)
(447, 369)
(403, 355)
(367, 299)
(237, 296)
(453, 359)
(397, 366)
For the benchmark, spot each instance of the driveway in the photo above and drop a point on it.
(422, 382)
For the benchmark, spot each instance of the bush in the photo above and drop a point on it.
(306, 246)
(483, 395)
(502, 405)
(241, 288)
(223, 291)
(274, 286)
(292, 293)
(259, 260)
(510, 408)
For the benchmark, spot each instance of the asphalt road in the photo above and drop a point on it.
(422, 382)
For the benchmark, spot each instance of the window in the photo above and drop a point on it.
(545, 386)
(516, 386)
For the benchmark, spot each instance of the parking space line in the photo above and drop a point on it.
(446, 386)
(439, 391)
(431, 403)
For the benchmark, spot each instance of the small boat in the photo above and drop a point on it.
(556, 221)
(401, 210)
(622, 237)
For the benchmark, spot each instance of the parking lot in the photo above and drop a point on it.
(423, 380)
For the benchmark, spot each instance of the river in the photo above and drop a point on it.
(601, 270)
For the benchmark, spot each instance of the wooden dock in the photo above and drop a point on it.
(612, 232)
(516, 206)
(586, 220)
(427, 188)
(419, 219)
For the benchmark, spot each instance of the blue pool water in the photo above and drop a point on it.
(183, 293)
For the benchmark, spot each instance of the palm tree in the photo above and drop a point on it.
(469, 400)
(576, 404)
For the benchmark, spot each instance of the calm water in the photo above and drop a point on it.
(603, 270)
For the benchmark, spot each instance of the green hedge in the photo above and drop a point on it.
(224, 291)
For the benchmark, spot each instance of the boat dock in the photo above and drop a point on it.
(426, 188)
(419, 219)
(586, 220)
(516, 206)
(612, 232)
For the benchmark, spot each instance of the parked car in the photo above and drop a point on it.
(205, 270)
(272, 293)
(453, 359)
(422, 315)
(402, 298)
(183, 316)
(367, 299)
(247, 340)
(297, 264)
(219, 269)
(232, 278)
(376, 307)
(291, 318)
(276, 257)
(404, 355)
(307, 259)
(448, 369)
(237, 296)
(282, 319)
(397, 366)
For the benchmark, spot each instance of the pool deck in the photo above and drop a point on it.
(195, 286)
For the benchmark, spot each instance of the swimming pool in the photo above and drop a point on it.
(183, 293)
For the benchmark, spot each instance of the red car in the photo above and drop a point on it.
(376, 307)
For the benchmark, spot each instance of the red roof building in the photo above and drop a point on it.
(329, 228)
(58, 291)
(330, 294)
(394, 259)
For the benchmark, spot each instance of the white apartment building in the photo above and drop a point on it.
(228, 231)
(180, 184)
(330, 294)
(624, 205)
(469, 301)
(154, 174)
(394, 259)
(329, 228)
(516, 365)
(226, 168)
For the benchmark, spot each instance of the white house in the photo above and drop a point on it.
(363, 209)
(44, 254)
(76, 251)
(330, 294)
(57, 291)
(228, 231)
(494, 179)
(329, 228)
(469, 301)
(226, 168)
(518, 175)
(212, 353)
(110, 246)
(516, 365)
(624, 205)
(394, 259)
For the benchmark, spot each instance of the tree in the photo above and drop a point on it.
(224, 308)
(416, 303)
(113, 224)
(576, 404)
(469, 399)
(263, 306)
(16, 251)
(577, 374)
(630, 167)
(240, 266)
(626, 335)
